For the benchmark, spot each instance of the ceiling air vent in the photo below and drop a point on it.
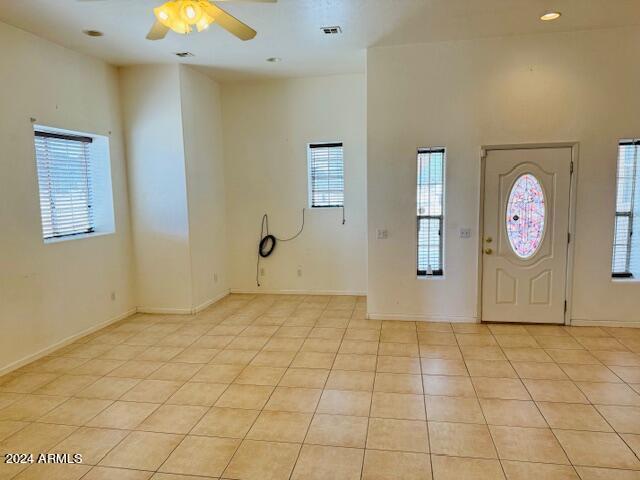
(184, 54)
(93, 33)
(335, 30)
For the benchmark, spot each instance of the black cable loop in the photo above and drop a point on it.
(268, 242)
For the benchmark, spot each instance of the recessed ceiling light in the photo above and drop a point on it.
(93, 33)
(547, 17)
(274, 59)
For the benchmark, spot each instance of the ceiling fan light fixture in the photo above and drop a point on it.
(182, 15)
(202, 24)
(190, 12)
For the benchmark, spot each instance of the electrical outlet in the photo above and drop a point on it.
(113, 296)
(262, 272)
(215, 278)
(465, 233)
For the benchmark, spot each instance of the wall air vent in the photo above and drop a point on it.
(335, 30)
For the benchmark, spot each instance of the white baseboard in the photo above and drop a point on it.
(183, 311)
(63, 343)
(66, 341)
(211, 301)
(299, 292)
(165, 311)
(422, 318)
(583, 322)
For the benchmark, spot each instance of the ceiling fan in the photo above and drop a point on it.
(182, 16)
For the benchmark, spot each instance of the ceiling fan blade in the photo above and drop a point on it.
(157, 32)
(229, 22)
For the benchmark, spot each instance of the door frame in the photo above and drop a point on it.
(574, 146)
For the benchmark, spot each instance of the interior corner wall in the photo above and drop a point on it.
(50, 293)
(560, 87)
(267, 126)
(157, 185)
(204, 160)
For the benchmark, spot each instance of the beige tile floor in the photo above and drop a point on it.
(294, 387)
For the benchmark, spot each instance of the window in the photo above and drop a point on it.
(625, 251)
(430, 203)
(74, 181)
(326, 175)
(525, 217)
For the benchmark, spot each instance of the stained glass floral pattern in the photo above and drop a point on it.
(525, 216)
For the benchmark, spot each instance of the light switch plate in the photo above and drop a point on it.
(465, 233)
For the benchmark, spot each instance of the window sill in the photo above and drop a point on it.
(82, 236)
(625, 280)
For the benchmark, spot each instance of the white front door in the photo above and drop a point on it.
(526, 234)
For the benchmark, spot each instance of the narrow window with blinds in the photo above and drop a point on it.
(626, 251)
(64, 179)
(430, 210)
(326, 175)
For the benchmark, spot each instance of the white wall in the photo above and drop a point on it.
(195, 215)
(203, 148)
(51, 292)
(176, 179)
(267, 126)
(157, 185)
(545, 88)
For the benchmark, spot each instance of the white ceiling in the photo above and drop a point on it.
(290, 29)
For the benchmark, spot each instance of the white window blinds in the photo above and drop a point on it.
(64, 179)
(624, 253)
(326, 175)
(430, 196)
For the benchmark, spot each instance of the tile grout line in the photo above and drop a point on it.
(295, 463)
(424, 402)
(366, 434)
(330, 370)
(544, 418)
(242, 440)
(493, 442)
(142, 421)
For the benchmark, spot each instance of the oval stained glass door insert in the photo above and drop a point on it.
(525, 216)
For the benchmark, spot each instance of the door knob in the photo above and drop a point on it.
(488, 251)
(488, 240)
